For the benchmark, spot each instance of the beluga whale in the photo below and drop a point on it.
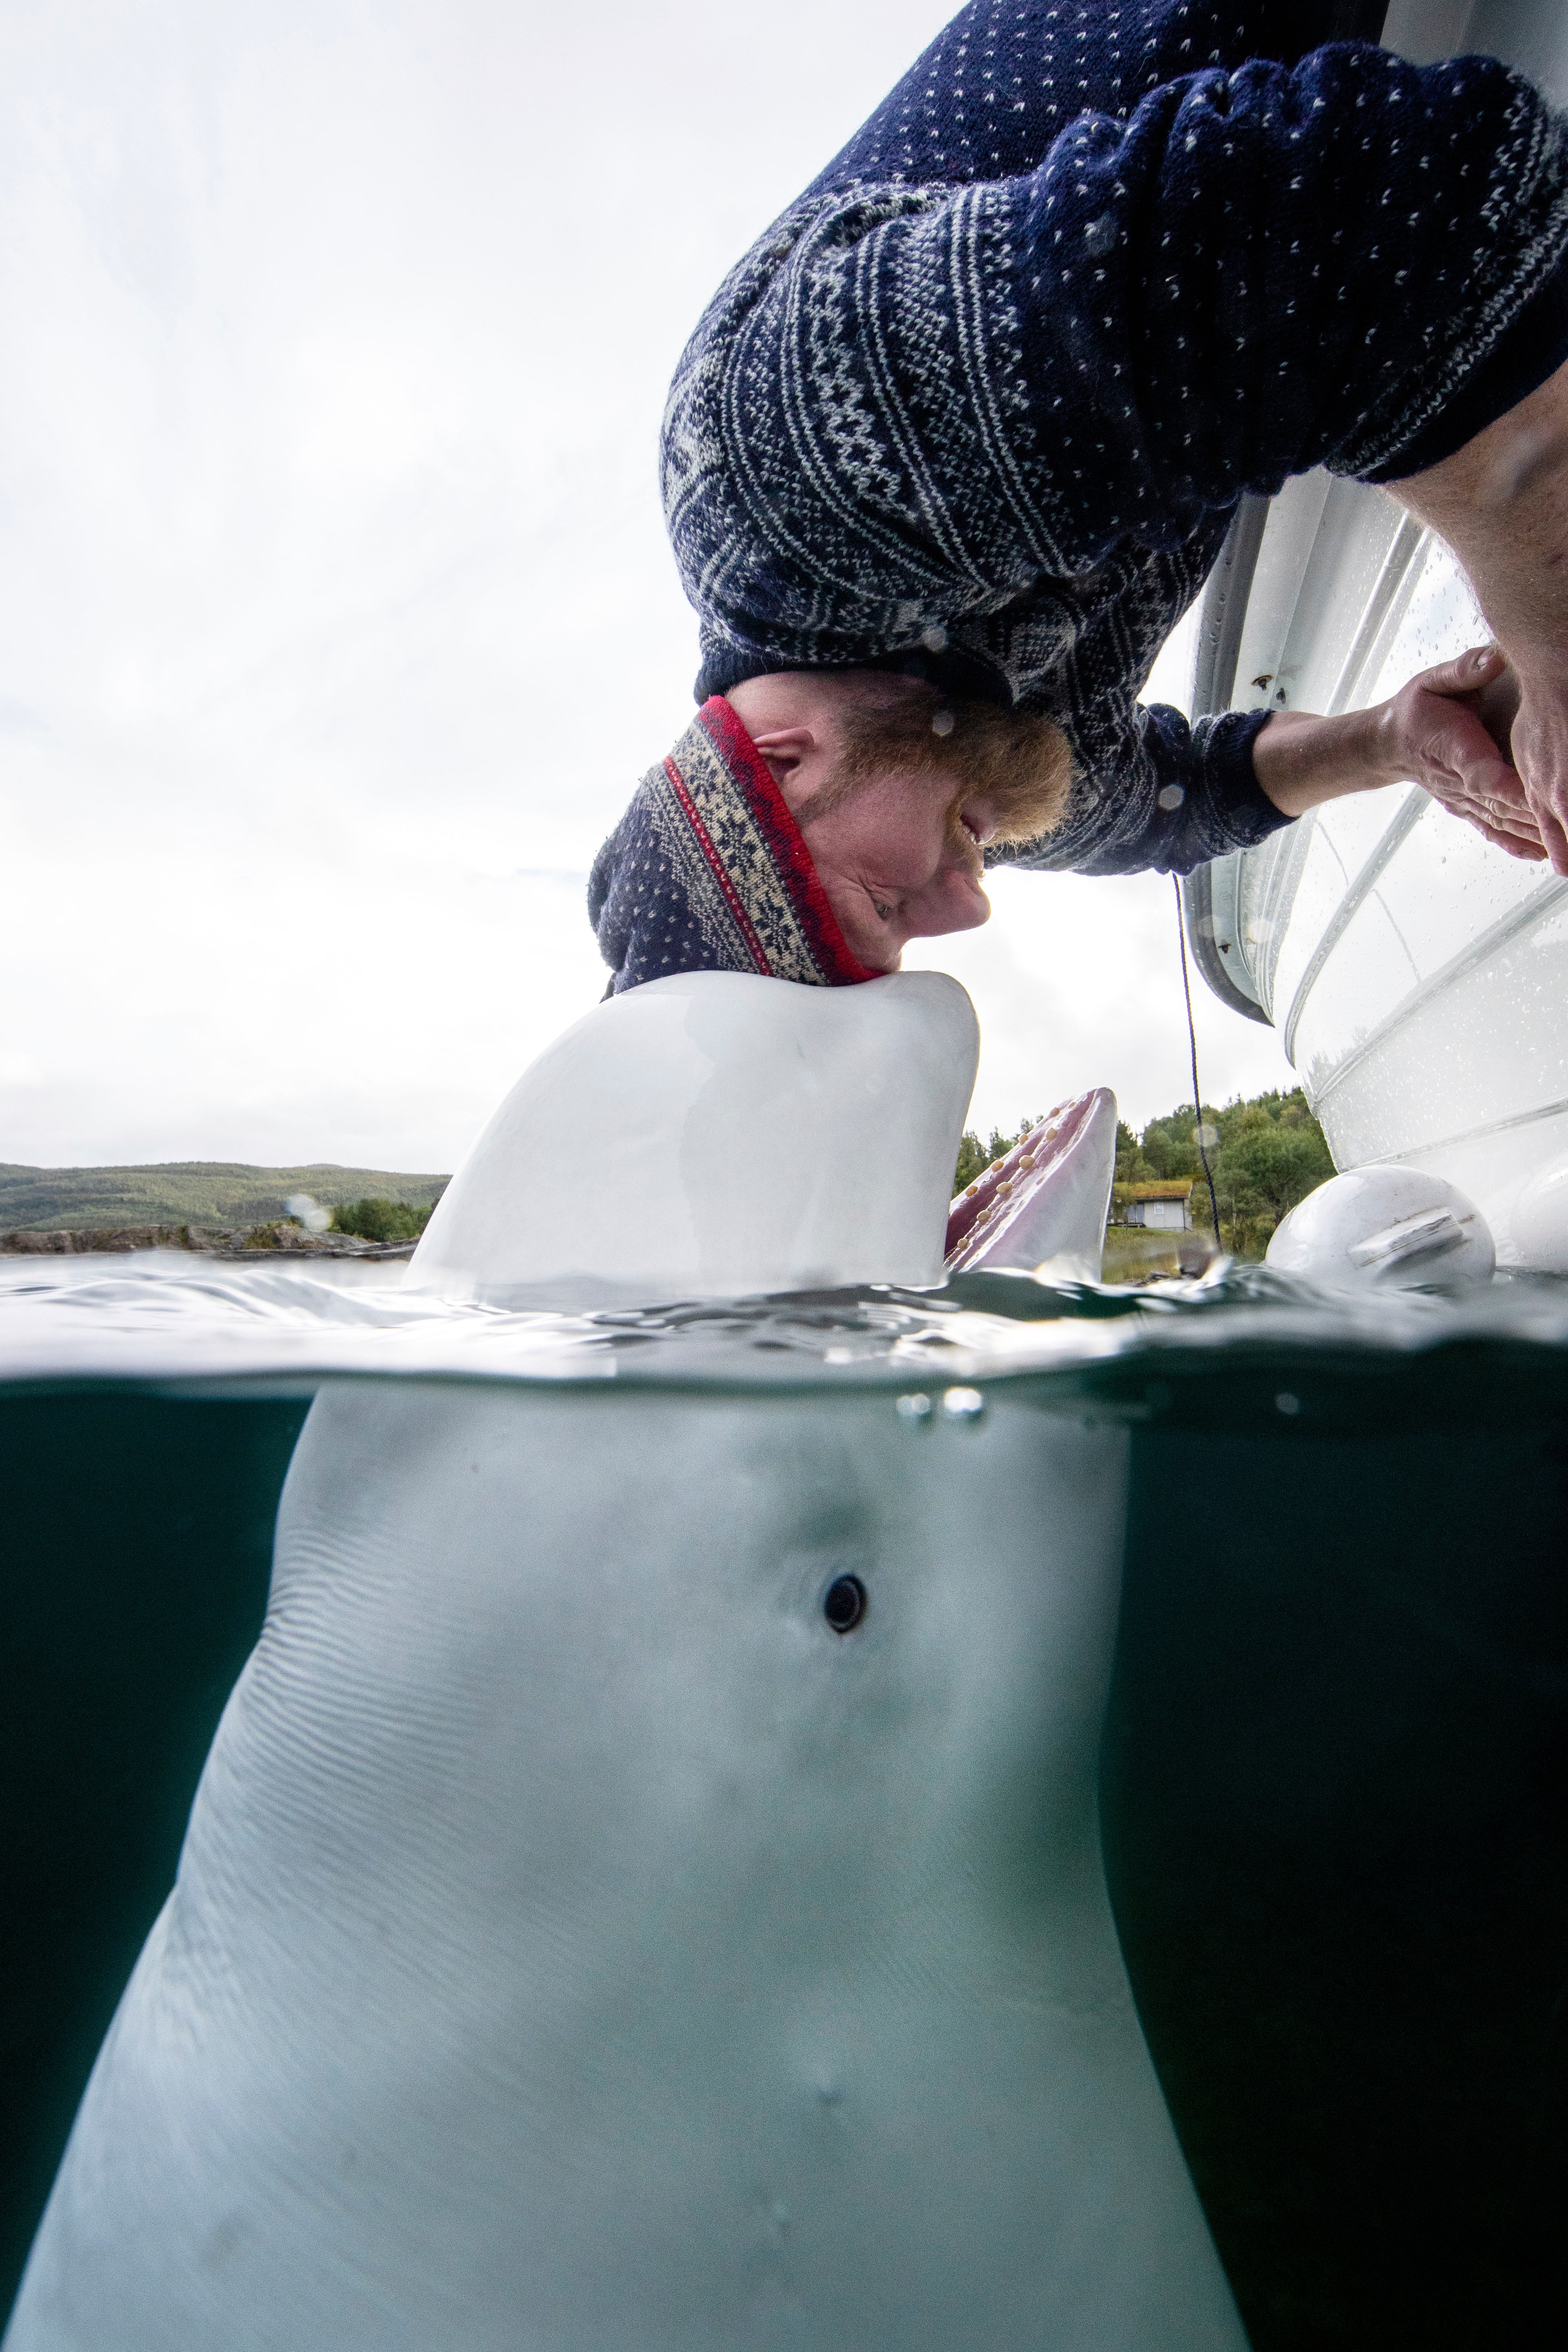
(644, 1893)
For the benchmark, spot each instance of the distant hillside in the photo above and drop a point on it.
(188, 1192)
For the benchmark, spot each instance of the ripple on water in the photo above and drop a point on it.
(1241, 1340)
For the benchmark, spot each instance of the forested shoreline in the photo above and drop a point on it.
(1264, 1153)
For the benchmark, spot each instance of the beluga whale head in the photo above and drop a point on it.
(644, 1893)
(730, 1135)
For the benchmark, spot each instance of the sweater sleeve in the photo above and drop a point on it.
(1205, 802)
(1170, 796)
(913, 411)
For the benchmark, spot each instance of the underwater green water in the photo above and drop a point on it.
(136, 1549)
(1334, 1785)
(1334, 1775)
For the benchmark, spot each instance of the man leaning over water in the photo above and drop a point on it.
(958, 442)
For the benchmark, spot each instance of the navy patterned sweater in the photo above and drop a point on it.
(983, 401)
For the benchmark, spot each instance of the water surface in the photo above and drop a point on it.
(1336, 1761)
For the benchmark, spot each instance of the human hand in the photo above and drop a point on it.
(1539, 737)
(1450, 730)
(1502, 503)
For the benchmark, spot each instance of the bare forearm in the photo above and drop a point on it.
(1501, 503)
(1446, 731)
(1301, 761)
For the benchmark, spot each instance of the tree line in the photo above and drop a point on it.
(1265, 1154)
(376, 1220)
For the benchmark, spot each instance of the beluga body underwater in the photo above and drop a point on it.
(645, 1888)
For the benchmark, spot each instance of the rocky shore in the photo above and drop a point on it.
(278, 1239)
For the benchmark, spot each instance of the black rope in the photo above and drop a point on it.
(1192, 1041)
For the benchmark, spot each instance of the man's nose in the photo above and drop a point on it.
(981, 815)
(953, 902)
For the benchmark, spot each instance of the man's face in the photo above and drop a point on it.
(896, 842)
(900, 859)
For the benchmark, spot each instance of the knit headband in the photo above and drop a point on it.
(708, 871)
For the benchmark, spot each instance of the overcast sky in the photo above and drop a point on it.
(337, 621)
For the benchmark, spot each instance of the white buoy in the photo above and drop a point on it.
(1386, 1228)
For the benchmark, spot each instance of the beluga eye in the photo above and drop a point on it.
(843, 1603)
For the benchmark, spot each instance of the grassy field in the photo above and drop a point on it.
(188, 1192)
(1132, 1254)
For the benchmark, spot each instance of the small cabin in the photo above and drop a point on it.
(1164, 1208)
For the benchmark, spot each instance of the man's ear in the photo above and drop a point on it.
(793, 756)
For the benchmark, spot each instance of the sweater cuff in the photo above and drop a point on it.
(1242, 807)
(1524, 356)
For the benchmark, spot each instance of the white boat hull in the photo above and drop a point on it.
(1417, 977)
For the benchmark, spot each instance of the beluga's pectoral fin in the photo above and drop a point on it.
(730, 1136)
(1042, 1207)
